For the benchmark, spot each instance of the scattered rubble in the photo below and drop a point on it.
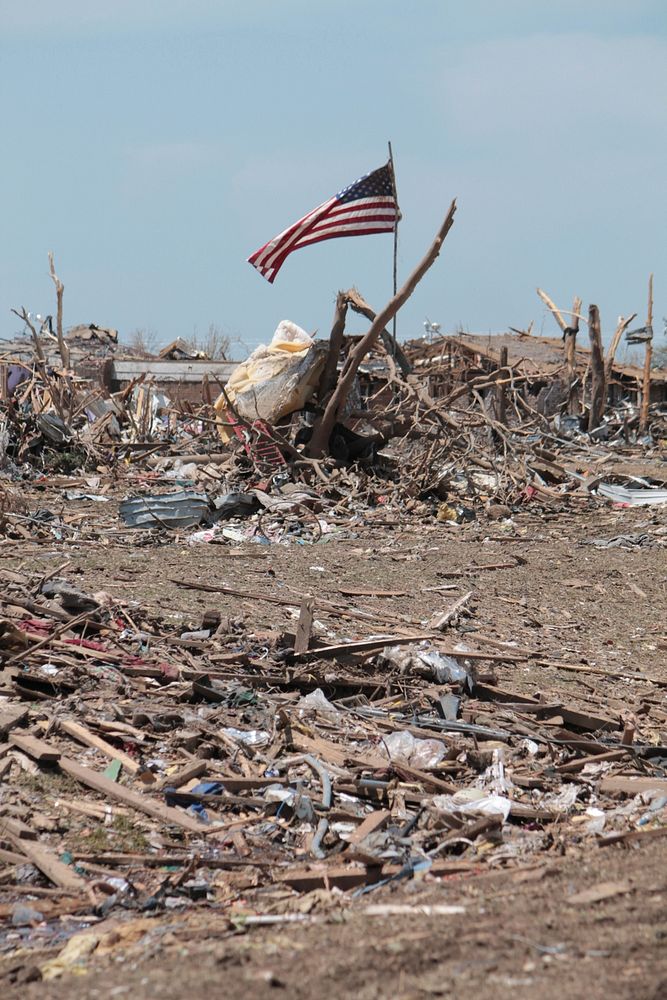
(160, 760)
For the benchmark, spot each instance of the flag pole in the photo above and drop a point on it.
(398, 216)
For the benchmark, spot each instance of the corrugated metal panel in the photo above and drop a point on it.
(172, 371)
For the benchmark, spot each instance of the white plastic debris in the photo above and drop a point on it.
(275, 380)
(429, 663)
(318, 703)
(596, 821)
(402, 747)
(473, 802)
(560, 802)
(249, 737)
(632, 497)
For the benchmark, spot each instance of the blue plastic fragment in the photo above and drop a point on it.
(196, 808)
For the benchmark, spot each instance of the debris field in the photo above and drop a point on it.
(332, 664)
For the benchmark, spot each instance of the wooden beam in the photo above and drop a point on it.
(43, 858)
(374, 821)
(83, 735)
(501, 393)
(60, 288)
(142, 803)
(570, 344)
(302, 640)
(359, 305)
(38, 750)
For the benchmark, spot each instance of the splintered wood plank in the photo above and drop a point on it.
(11, 858)
(370, 592)
(16, 828)
(83, 735)
(365, 646)
(628, 784)
(598, 893)
(44, 858)
(340, 756)
(302, 638)
(39, 750)
(11, 716)
(195, 769)
(142, 803)
(374, 821)
(349, 876)
(578, 765)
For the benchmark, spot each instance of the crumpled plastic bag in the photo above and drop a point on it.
(427, 663)
(562, 801)
(318, 703)
(274, 380)
(473, 802)
(404, 748)
(249, 737)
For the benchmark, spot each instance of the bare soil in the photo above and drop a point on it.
(599, 608)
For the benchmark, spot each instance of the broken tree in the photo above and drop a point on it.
(325, 424)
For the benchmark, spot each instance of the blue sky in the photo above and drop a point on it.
(154, 144)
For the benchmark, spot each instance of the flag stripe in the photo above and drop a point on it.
(356, 220)
(287, 239)
(284, 238)
(365, 207)
(310, 239)
(349, 232)
(326, 232)
(317, 229)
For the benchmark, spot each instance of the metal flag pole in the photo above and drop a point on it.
(398, 216)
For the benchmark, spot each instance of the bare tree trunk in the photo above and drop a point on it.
(623, 324)
(570, 340)
(553, 309)
(646, 380)
(501, 395)
(324, 427)
(328, 377)
(598, 381)
(60, 288)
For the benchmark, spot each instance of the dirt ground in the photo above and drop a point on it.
(599, 608)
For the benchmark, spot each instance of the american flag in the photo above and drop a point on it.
(367, 206)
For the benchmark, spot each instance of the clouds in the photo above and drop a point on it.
(553, 87)
(179, 135)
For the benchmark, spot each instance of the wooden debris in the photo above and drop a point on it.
(142, 803)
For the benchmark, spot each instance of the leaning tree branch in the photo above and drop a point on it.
(359, 304)
(623, 324)
(25, 316)
(325, 425)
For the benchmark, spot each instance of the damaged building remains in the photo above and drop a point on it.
(278, 640)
